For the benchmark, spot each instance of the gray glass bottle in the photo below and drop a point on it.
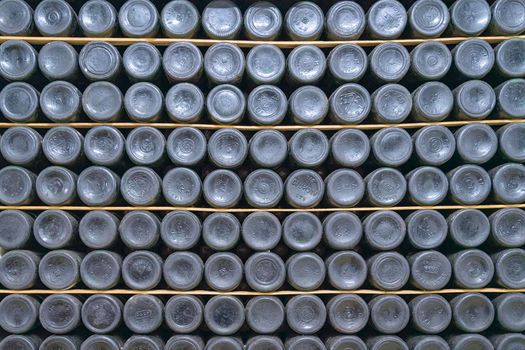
(422, 342)
(264, 342)
(304, 342)
(509, 58)
(347, 63)
(261, 231)
(145, 145)
(55, 229)
(306, 64)
(222, 188)
(180, 19)
(142, 62)
(389, 62)
(104, 145)
(97, 18)
(428, 18)
(388, 271)
(385, 187)
(98, 229)
(182, 62)
(223, 271)
(391, 104)
(347, 270)
(184, 313)
(350, 104)
(509, 265)
(508, 183)
(344, 188)
(20, 145)
(98, 186)
(183, 270)
(139, 230)
(19, 313)
(347, 314)
(264, 314)
(18, 60)
(473, 268)
(224, 315)
(510, 99)
(143, 313)
(472, 312)
(304, 21)
(19, 102)
(184, 103)
(15, 229)
(345, 20)
(17, 185)
(221, 19)
(265, 272)
(224, 63)
(144, 102)
(60, 313)
(263, 188)
(97, 341)
(510, 138)
(341, 342)
(226, 104)
(99, 60)
(391, 146)
(308, 105)
(141, 270)
(305, 271)
(468, 227)
(469, 184)
(508, 341)
(384, 230)
(389, 314)
(186, 146)
(100, 269)
(430, 270)
(386, 19)
(227, 148)
(180, 230)
(102, 101)
(138, 19)
(507, 229)
(265, 64)
(433, 101)
(19, 269)
(474, 100)
(267, 105)
(191, 342)
(342, 230)
(508, 17)
(58, 60)
(430, 60)
(476, 143)
(308, 148)
(22, 342)
(268, 148)
(434, 144)
(145, 342)
(262, 21)
(473, 58)
(231, 343)
(430, 314)
(426, 229)
(427, 185)
(305, 314)
(181, 187)
(140, 186)
(509, 310)
(60, 102)
(55, 18)
(65, 342)
(16, 18)
(462, 17)
(221, 231)
(101, 313)
(60, 269)
(302, 231)
(350, 147)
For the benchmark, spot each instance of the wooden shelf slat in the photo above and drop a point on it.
(285, 44)
(325, 127)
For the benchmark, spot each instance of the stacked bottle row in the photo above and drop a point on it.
(227, 315)
(303, 20)
(224, 64)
